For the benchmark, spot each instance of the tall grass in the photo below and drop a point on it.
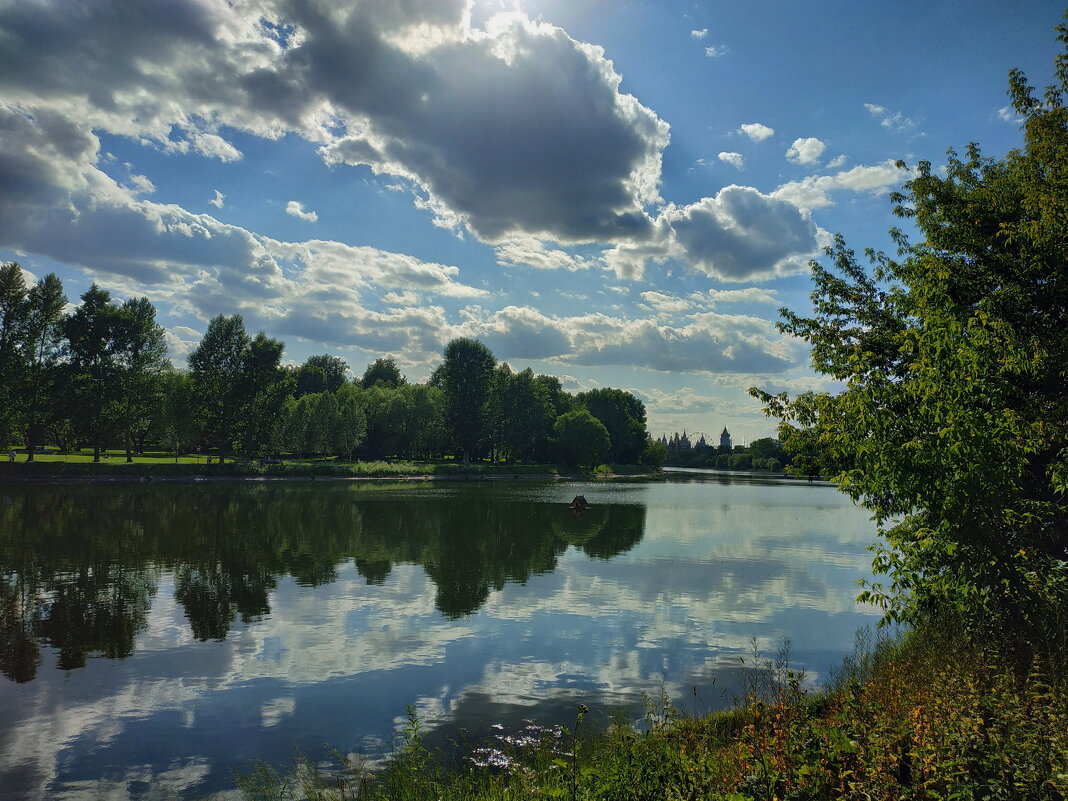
(922, 716)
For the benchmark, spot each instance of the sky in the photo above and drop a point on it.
(621, 194)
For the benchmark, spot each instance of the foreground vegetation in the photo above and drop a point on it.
(915, 717)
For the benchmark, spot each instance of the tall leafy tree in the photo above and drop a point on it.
(176, 423)
(525, 415)
(382, 371)
(13, 310)
(351, 426)
(43, 347)
(465, 380)
(321, 373)
(581, 439)
(266, 386)
(93, 374)
(624, 417)
(217, 366)
(139, 357)
(953, 427)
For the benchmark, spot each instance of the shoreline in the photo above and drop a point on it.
(202, 478)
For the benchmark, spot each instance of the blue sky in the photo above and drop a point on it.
(618, 193)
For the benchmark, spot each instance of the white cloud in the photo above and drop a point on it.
(742, 234)
(706, 342)
(837, 161)
(377, 84)
(814, 191)
(756, 131)
(218, 200)
(699, 34)
(296, 209)
(685, 400)
(806, 151)
(141, 185)
(1008, 114)
(661, 303)
(715, 51)
(531, 252)
(734, 159)
(214, 146)
(894, 120)
(714, 297)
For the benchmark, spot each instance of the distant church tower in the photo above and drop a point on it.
(725, 439)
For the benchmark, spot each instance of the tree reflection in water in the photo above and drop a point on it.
(79, 567)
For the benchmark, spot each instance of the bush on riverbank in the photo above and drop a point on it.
(924, 717)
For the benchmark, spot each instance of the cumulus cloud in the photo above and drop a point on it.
(699, 34)
(662, 303)
(682, 401)
(837, 161)
(296, 209)
(58, 204)
(706, 342)
(710, 342)
(756, 131)
(814, 191)
(806, 151)
(742, 234)
(409, 90)
(715, 297)
(715, 51)
(218, 200)
(214, 146)
(734, 159)
(531, 252)
(894, 120)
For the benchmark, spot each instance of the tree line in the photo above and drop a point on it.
(99, 377)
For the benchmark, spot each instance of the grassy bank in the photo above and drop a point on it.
(76, 466)
(918, 718)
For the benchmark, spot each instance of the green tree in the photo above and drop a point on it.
(266, 386)
(351, 422)
(241, 387)
(624, 417)
(465, 378)
(139, 356)
(953, 427)
(43, 345)
(581, 439)
(93, 373)
(527, 416)
(654, 453)
(321, 373)
(217, 366)
(177, 419)
(13, 312)
(382, 371)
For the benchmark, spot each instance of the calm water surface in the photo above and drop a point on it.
(154, 638)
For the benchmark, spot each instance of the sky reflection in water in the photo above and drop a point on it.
(153, 638)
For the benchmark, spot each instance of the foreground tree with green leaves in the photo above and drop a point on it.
(953, 424)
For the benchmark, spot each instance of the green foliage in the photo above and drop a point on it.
(654, 453)
(382, 371)
(466, 374)
(953, 426)
(623, 415)
(581, 439)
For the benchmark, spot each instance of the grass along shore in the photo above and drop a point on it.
(919, 717)
(162, 466)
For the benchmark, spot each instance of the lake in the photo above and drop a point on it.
(154, 638)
